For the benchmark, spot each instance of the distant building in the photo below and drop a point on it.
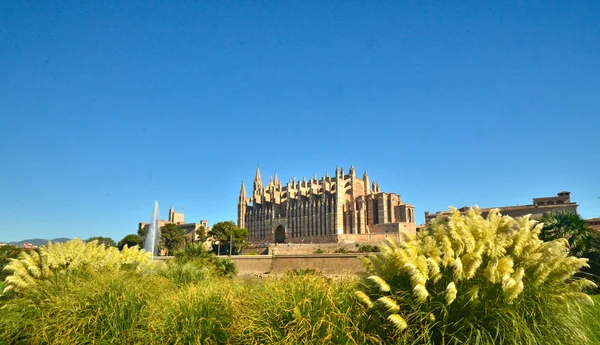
(342, 208)
(178, 218)
(560, 202)
(594, 223)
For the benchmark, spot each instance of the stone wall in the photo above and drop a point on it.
(349, 242)
(333, 264)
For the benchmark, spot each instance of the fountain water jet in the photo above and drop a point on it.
(153, 235)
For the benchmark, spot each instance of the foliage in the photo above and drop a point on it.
(172, 236)
(476, 280)
(202, 235)
(119, 307)
(300, 272)
(82, 308)
(194, 314)
(197, 254)
(7, 252)
(185, 272)
(225, 231)
(584, 242)
(143, 231)
(594, 321)
(31, 267)
(368, 248)
(340, 251)
(319, 251)
(300, 309)
(193, 251)
(131, 240)
(107, 241)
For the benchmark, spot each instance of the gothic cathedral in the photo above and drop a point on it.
(325, 210)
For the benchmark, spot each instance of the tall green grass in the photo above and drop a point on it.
(132, 308)
(201, 313)
(194, 300)
(82, 309)
(301, 309)
(594, 320)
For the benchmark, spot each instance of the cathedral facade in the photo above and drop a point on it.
(344, 207)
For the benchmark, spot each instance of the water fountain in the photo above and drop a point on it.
(153, 235)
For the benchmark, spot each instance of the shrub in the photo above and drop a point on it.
(368, 248)
(185, 272)
(193, 251)
(584, 242)
(82, 308)
(300, 309)
(476, 280)
(340, 251)
(195, 263)
(7, 252)
(194, 314)
(40, 264)
(300, 272)
(319, 251)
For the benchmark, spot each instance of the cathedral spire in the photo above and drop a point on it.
(243, 192)
(276, 179)
(257, 180)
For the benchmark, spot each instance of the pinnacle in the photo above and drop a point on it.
(257, 177)
(243, 189)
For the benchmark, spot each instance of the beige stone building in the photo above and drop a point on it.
(178, 218)
(539, 206)
(594, 223)
(342, 208)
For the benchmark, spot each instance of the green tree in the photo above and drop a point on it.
(226, 231)
(240, 238)
(131, 240)
(172, 236)
(584, 242)
(143, 231)
(107, 241)
(201, 232)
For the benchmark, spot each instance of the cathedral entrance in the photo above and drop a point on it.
(280, 234)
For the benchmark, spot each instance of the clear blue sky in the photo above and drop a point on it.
(107, 106)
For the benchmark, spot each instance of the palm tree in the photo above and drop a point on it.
(584, 242)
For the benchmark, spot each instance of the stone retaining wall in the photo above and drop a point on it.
(327, 263)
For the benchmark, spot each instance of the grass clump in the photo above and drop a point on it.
(471, 280)
(82, 308)
(31, 267)
(368, 248)
(198, 255)
(300, 272)
(301, 309)
(200, 313)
